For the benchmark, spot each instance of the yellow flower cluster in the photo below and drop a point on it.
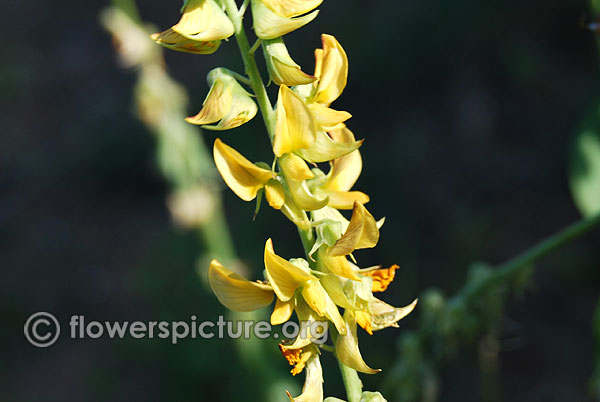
(307, 131)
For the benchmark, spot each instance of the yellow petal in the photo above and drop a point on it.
(242, 176)
(338, 265)
(303, 196)
(327, 118)
(342, 292)
(227, 102)
(361, 233)
(312, 391)
(282, 311)
(318, 299)
(325, 149)
(310, 321)
(235, 292)
(344, 199)
(295, 168)
(346, 347)
(295, 128)
(204, 20)
(363, 319)
(283, 276)
(331, 214)
(283, 70)
(268, 25)
(333, 71)
(275, 194)
(291, 8)
(346, 169)
(174, 41)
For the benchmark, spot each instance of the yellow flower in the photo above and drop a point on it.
(292, 283)
(362, 232)
(331, 69)
(295, 128)
(227, 102)
(275, 18)
(244, 178)
(203, 20)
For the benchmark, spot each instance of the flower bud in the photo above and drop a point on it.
(282, 69)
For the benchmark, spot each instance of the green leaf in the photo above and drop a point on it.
(584, 169)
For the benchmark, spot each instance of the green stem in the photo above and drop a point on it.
(251, 68)
(514, 265)
(352, 383)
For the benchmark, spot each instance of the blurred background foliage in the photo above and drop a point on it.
(472, 114)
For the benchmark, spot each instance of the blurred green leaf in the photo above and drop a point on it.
(584, 169)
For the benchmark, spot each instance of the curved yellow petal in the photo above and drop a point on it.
(295, 168)
(318, 299)
(204, 20)
(338, 265)
(227, 102)
(295, 128)
(283, 276)
(346, 169)
(291, 8)
(304, 198)
(333, 71)
(325, 149)
(268, 25)
(361, 233)
(275, 194)
(344, 199)
(175, 41)
(283, 70)
(346, 347)
(327, 118)
(235, 292)
(242, 176)
(282, 311)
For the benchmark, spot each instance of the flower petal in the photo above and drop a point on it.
(318, 299)
(235, 292)
(268, 25)
(282, 311)
(325, 149)
(338, 265)
(227, 102)
(381, 277)
(291, 8)
(175, 41)
(283, 70)
(346, 347)
(346, 169)
(344, 199)
(294, 168)
(204, 20)
(312, 391)
(295, 128)
(361, 233)
(283, 276)
(275, 194)
(332, 71)
(383, 315)
(242, 176)
(327, 118)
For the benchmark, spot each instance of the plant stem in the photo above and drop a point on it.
(514, 265)
(352, 383)
(251, 68)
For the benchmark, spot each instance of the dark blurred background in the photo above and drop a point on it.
(468, 109)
